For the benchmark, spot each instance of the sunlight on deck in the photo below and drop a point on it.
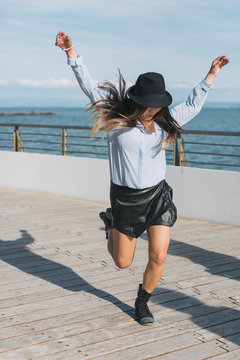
(62, 297)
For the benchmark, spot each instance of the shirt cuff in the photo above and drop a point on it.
(75, 61)
(205, 86)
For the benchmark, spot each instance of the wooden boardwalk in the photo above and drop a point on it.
(62, 297)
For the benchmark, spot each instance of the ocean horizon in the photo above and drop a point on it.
(222, 117)
(215, 104)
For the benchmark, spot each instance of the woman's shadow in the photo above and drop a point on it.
(214, 263)
(18, 255)
(219, 320)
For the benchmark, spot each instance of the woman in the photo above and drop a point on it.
(139, 128)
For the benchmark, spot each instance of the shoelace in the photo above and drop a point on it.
(143, 309)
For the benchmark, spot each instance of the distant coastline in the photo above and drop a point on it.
(31, 113)
(83, 105)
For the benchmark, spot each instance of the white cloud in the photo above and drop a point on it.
(3, 83)
(181, 86)
(47, 83)
(188, 85)
(18, 23)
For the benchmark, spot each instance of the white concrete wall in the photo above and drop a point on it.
(203, 194)
(82, 178)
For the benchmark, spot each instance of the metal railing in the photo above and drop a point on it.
(57, 141)
(190, 149)
(228, 154)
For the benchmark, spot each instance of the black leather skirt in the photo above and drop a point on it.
(134, 210)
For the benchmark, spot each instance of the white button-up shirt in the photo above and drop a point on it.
(135, 156)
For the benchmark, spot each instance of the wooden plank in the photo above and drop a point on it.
(196, 352)
(74, 326)
(194, 308)
(64, 320)
(222, 270)
(55, 256)
(226, 291)
(232, 355)
(226, 328)
(212, 287)
(70, 279)
(103, 341)
(97, 300)
(121, 348)
(50, 265)
(86, 269)
(64, 289)
(202, 280)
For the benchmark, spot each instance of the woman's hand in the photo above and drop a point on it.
(215, 68)
(65, 43)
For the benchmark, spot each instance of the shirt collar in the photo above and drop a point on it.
(142, 129)
(140, 126)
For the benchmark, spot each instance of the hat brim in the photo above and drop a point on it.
(154, 101)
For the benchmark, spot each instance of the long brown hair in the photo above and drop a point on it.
(117, 111)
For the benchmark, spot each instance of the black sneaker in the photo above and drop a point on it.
(106, 217)
(143, 314)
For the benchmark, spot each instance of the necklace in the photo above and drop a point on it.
(149, 125)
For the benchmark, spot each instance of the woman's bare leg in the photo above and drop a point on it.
(121, 247)
(158, 243)
(110, 242)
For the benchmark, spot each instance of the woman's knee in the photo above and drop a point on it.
(123, 263)
(158, 258)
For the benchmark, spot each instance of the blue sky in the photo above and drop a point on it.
(178, 38)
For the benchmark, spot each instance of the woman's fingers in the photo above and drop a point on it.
(59, 41)
(225, 61)
(62, 40)
(61, 37)
(62, 33)
(58, 38)
(218, 60)
(221, 61)
(220, 57)
(218, 64)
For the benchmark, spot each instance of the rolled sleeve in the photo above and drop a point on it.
(75, 61)
(205, 86)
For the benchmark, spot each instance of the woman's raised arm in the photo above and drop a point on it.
(88, 85)
(187, 110)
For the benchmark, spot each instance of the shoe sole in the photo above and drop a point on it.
(145, 324)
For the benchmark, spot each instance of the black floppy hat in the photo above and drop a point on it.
(150, 91)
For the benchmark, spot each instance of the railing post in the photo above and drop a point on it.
(62, 141)
(182, 153)
(65, 141)
(176, 158)
(15, 139)
(20, 143)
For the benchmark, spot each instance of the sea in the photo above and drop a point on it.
(202, 151)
